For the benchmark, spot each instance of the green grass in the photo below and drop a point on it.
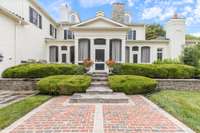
(184, 105)
(12, 112)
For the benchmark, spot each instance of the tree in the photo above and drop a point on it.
(154, 31)
(191, 55)
(191, 37)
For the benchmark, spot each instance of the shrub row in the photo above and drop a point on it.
(42, 70)
(176, 71)
(63, 84)
(131, 84)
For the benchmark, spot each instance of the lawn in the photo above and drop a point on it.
(184, 105)
(12, 112)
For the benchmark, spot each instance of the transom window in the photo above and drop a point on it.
(35, 18)
(64, 48)
(131, 35)
(99, 41)
(68, 35)
(135, 48)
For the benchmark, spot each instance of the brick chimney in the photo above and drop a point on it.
(118, 12)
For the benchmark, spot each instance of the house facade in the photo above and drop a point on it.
(29, 32)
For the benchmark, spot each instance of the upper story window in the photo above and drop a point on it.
(35, 17)
(159, 54)
(131, 35)
(68, 35)
(53, 31)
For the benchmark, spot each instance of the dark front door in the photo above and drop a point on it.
(100, 59)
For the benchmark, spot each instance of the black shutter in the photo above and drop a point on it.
(65, 34)
(31, 14)
(40, 21)
(55, 33)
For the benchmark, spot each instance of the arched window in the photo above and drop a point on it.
(53, 54)
(84, 49)
(145, 54)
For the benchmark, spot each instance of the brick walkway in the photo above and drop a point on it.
(57, 115)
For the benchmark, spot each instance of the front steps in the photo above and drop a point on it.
(99, 92)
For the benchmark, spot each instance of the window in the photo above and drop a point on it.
(53, 54)
(35, 17)
(116, 50)
(159, 54)
(145, 54)
(64, 48)
(99, 41)
(131, 35)
(135, 58)
(84, 49)
(135, 48)
(72, 54)
(53, 31)
(68, 35)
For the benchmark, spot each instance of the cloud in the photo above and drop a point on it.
(152, 12)
(197, 34)
(92, 3)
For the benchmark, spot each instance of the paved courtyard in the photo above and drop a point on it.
(58, 116)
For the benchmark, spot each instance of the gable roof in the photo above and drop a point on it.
(115, 25)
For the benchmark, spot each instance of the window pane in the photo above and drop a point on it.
(72, 54)
(116, 50)
(84, 49)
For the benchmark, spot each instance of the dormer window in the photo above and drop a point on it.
(131, 35)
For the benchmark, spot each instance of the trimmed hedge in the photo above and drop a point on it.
(63, 84)
(174, 71)
(42, 70)
(131, 84)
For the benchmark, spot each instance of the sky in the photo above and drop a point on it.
(143, 11)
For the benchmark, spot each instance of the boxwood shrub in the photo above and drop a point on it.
(131, 84)
(174, 71)
(64, 84)
(42, 70)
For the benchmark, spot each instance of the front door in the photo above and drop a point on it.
(100, 60)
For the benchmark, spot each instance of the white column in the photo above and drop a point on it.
(123, 50)
(68, 55)
(92, 53)
(76, 50)
(139, 55)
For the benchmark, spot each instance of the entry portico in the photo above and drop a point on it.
(100, 39)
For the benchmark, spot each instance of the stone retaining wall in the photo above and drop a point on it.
(18, 84)
(178, 84)
(30, 84)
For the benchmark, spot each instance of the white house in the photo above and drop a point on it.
(29, 32)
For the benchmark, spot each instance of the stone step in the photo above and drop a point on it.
(99, 90)
(99, 98)
(100, 75)
(99, 78)
(99, 83)
(12, 98)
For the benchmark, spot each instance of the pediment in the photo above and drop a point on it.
(100, 22)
